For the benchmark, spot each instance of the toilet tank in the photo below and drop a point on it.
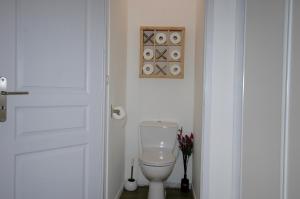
(158, 134)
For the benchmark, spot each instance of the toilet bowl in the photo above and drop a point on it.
(157, 154)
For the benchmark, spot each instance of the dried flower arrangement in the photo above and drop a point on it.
(186, 144)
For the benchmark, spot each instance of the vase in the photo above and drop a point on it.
(185, 181)
(184, 185)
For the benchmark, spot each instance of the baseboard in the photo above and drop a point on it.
(193, 191)
(194, 194)
(119, 193)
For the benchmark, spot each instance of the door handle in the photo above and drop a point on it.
(3, 97)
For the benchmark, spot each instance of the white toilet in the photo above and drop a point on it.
(158, 154)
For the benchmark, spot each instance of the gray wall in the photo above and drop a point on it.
(261, 143)
(117, 96)
(198, 96)
(293, 120)
(271, 100)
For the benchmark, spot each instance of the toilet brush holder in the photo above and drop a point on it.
(130, 184)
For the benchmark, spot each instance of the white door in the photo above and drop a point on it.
(51, 145)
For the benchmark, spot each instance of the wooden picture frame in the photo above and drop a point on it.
(162, 52)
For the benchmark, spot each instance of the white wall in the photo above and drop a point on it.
(261, 149)
(198, 96)
(158, 99)
(117, 92)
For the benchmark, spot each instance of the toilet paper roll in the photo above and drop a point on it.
(175, 38)
(118, 113)
(148, 54)
(160, 38)
(175, 69)
(148, 69)
(175, 54)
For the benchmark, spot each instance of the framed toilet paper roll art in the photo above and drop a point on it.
(162, 52)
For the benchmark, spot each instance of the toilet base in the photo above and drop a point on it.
(156, 190)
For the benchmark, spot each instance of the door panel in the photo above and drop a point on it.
(32, 174)
(27, 117)
(51, 37)
(52, 144)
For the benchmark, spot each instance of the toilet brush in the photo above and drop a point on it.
(131, 175)
(130, 184)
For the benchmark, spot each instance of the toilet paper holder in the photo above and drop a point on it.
(117, 112)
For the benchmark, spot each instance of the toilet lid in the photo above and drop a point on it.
(157, 157)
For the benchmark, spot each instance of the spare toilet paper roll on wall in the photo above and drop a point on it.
(161, 38)
(148, 69)
(175, 38)
(148, 54)
(175, 54)
(175, 69)
(118, 113)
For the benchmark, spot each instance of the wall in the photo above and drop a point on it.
(117, 92)
(293, 109)
(271, 116)
(158, 99)
(198, 96)
(261, 149)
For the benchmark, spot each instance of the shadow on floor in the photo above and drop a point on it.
(142, 192)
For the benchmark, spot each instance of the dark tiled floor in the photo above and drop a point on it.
(141, 193)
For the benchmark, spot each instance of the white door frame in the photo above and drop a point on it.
(104, 103)
(221, 143)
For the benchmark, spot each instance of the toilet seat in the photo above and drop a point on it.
(157, 157)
